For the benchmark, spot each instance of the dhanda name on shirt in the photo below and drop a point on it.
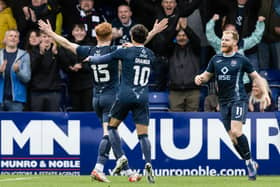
(142, 61)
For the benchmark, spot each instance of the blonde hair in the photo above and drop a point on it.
(103, 31)
(263, 85)
(234, 34)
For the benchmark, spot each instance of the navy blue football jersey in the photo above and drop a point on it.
(228, 72)
(105, 74)
(136, 68)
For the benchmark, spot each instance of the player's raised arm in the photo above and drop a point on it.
(202, 78)
(255, 76)
(46, 27)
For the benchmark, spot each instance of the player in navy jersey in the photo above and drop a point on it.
(228, 69)
(105, 85)
(132, 95)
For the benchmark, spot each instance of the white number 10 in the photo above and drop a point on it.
(141, 76)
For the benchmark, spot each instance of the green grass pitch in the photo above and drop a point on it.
(85, 181)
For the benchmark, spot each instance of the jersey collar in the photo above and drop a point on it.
(229, 55)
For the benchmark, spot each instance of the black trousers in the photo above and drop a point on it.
(160, 70)
(81, 100)
(45, 101)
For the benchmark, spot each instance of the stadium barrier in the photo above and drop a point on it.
(182, 144)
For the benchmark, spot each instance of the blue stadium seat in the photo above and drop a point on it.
(158, 101)
(271, 75)
(273, 78)
(275, 93)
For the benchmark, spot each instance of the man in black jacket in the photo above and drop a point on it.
(45, 84)
(184, 65)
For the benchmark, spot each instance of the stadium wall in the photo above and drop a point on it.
(182, 144)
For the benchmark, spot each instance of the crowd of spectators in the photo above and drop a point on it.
(39, 75)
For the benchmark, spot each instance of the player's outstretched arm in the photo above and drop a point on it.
(202, 78)
(100, 59)
(263, 86)
(46, 27)
(158, 27)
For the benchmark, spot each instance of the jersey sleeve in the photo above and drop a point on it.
(83, 51)
(210, 67)
(117, 54)
(248, 67)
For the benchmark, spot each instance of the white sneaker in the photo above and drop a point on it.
(121, 162)
(99, 176)
(149, 173)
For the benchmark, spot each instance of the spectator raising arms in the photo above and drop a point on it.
(184, 65)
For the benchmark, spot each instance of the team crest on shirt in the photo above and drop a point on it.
(97, 53)
(233, 63)
(143, 53)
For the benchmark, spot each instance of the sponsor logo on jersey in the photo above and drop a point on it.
(233, 63)
(224, 70)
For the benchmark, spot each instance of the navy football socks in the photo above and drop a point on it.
(243, 145)
(145, 146)
(115, 140)
(103, 150)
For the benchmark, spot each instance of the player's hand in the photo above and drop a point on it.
(216, 17)
(198, 80)
(86, 59)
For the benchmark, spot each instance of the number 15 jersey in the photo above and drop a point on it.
(105, 75)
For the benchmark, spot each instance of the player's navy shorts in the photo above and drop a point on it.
(139, 109)
(233, 111)
(102, 104)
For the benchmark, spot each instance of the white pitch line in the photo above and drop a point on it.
(17, 179)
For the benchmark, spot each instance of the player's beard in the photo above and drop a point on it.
(227, 49)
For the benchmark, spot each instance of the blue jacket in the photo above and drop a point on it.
(19, 79)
